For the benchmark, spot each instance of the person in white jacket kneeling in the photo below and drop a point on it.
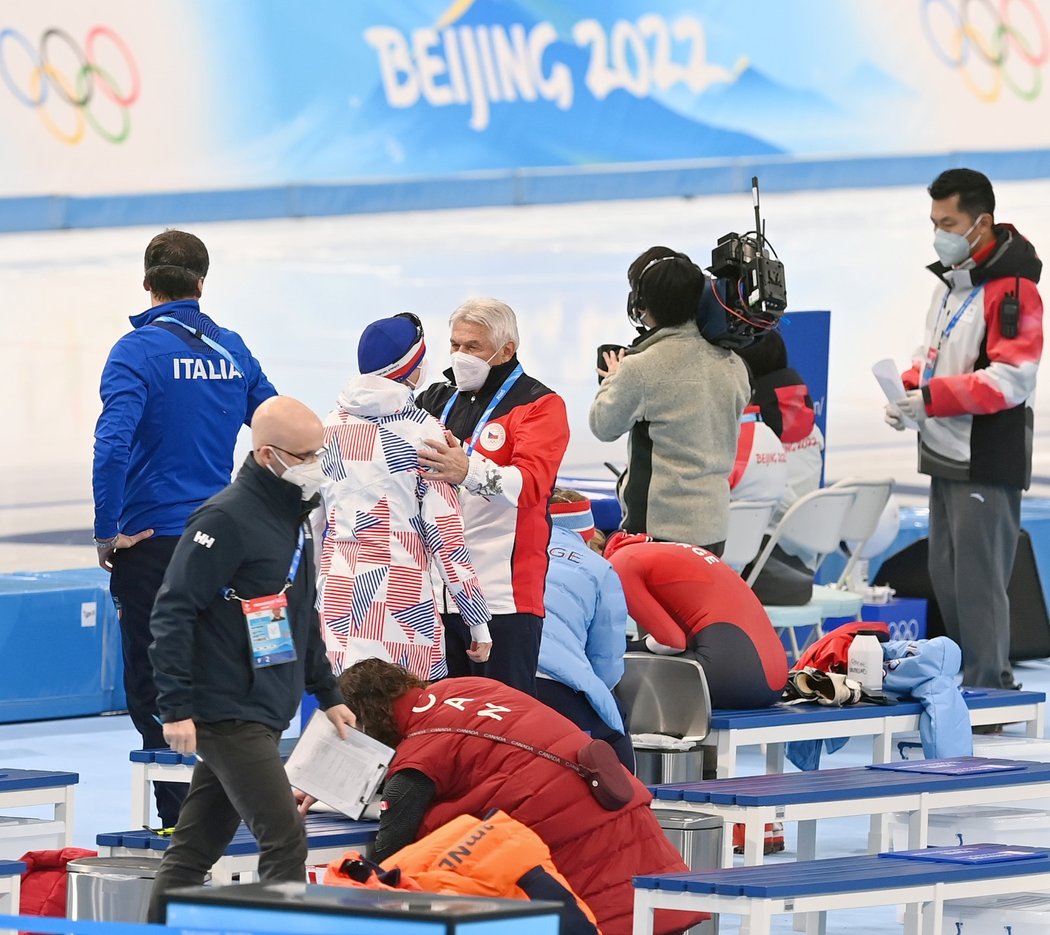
(385, 526)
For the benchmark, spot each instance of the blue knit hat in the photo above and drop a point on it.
(391, 347)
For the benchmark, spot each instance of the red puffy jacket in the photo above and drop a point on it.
(45, 881)
(831, 652)
(598, 851)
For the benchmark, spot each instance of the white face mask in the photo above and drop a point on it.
(470, 371)
(421, 376)
(309, 475)
(953, 249)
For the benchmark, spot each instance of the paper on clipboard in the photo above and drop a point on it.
(341, 773)
(889, 378)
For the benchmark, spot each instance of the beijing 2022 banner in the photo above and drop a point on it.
(121, 96)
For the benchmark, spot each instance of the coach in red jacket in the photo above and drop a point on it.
(687, 600)
(507, 433)
(437, 775)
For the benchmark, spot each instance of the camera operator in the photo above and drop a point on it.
(680, 398)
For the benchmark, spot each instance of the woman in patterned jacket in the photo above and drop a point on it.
(388, 528)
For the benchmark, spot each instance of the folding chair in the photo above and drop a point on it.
(870, 498)
(748, 522)
(813, 522)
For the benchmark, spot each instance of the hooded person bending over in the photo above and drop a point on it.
(444, 768)
(689, 602)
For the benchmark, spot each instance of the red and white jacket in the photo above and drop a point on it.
(509, 481)
(760, 471)
(980, 393)
(387, 530)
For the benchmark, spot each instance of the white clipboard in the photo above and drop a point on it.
(343, 774)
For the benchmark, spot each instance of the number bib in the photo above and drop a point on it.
(269, 632)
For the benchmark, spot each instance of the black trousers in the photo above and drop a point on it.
(515, 650)
(239, 775)
(575, 706)
(973, 541)
(136, 579)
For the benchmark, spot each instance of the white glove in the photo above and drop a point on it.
(892, 417)
(912, 406)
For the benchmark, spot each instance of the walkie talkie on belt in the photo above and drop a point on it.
(1010, 312)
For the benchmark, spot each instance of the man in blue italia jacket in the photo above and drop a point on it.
(175, 392)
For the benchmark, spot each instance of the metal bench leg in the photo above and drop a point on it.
(140, 796)
(774, 757)
(758, 920)
(754, 840)
(727, 844)
(65, 811)
(643, 913)
(221, 874)
(725, 766)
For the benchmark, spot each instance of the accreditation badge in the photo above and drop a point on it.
(269, 632)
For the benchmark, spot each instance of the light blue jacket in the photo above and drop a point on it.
(584, 630)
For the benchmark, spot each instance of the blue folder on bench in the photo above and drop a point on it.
(973, 854)
(952, 766)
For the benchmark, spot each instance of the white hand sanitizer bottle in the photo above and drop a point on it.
(865, 660)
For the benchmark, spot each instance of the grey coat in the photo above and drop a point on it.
(680, 398)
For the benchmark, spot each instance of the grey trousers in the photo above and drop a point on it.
(239, 775)
(973, 540)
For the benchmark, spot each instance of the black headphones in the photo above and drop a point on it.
(636, 297)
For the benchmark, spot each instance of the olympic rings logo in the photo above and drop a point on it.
(990, 44)
(33, 77)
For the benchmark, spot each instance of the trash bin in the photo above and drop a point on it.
(654, 766)
(698, 839)
(110, 889)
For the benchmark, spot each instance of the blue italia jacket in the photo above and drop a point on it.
(172, 405)
(584, 630)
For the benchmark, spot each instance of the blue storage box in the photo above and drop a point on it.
(60, 648)
(906, 617)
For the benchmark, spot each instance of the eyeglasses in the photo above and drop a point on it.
(303, 456)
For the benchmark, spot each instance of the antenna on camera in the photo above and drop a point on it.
(760, 230)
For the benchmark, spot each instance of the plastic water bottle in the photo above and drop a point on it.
(865, 660)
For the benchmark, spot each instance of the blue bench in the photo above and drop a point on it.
(327, 837)
(780, 724)
(805, 798)
(815, 887)
(164, 765)
(155, 766)
(24, 787)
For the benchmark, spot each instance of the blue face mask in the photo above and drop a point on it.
(953, 249)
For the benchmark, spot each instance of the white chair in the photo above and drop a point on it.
(814, 523)
(748, 522)
(870, 498)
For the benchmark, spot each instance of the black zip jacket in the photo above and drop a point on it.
(244, 538)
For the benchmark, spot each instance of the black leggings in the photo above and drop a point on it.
(575, 706)
(735, 677)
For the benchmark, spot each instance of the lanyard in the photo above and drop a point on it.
(931, 359)
(214, 345)
(484, 420)
(750, 417)
(230, 595)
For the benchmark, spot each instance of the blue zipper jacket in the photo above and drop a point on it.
(585, 627)
(172, 406)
